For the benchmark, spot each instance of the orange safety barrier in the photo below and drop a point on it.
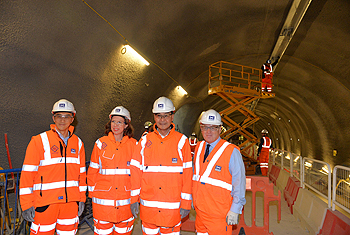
(335, 223)
(291, 192)
(253, 184)
(259, 184)
(274, 173)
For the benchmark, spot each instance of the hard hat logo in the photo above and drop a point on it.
(63, 105)
(163, 105)
(160, 106)
(212, 118)
(121, 111)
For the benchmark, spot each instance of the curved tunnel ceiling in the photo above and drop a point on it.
(63, 49)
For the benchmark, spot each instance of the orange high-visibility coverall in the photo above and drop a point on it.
(267, 79)
(109, 182)
(212, 186)
(52, 173)
(161, 172)
(264, 153)
(193, 143)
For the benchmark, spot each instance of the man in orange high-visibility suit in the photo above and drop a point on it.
(218, 181)
(193, 142)
(264, 152)
(109, 175)
(267, 75)
(161, 172)
(53, 178)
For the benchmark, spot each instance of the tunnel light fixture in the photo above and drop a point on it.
(134, 53)
(181, 90)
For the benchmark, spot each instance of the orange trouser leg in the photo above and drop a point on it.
(103, 227)
(60, 216)
(148, 229)
(264, 162)
(205, 225)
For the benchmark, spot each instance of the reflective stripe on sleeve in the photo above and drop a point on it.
(135, 192)
(162, 205)
(82, 188)
(187, 164)
(181, 145)
(24, 191)
(186, 196)
(82, 169)
(135, 163)
(98, 144)
(30, 168)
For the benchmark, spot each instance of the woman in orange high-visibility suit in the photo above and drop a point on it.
(109, 176)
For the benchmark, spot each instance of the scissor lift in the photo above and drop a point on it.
(240, 87)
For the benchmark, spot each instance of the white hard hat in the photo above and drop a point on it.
(163, 105)
(211, 117)
(147, 124)
(63, 105)
(264, 131)
(120, 111)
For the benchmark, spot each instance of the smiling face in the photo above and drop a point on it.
(63, 121)
(163, 121)
(117, 126)
(210, 132)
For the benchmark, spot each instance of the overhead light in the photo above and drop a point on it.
(129, 49)
(181, 90)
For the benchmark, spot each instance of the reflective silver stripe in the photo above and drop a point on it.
(46, 146)
(180, 145)
(128, 220)
(42, 228)
(55, 185)
(91, 188)
(60, 160)
(165, 169)
(24, 191)
(99, 143)
(135, 192)
(196, 175)
(265, 143)
(143, 144)
(115, 171)
(186, 196)
(30, 168)
(82, 188)
(108, 202)
(94, 165)
(135, 163)
(187, 164)
(202, 233)
(150, 230)
(123, 230)
(82, 169)
(162, 205)
(103, 231)
(61, 232)
(205, 177)
(68, 221)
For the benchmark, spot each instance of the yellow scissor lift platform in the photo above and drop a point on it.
(240, 87)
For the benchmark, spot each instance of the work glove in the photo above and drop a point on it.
(81, 208)
(29, 214)
(231, 218)
(184, 213)
(135, 209)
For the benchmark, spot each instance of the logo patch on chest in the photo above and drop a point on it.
(73, 151)
(174, 160)
(218, 168)
(60, 197)
(54, 149)
(104, 145)
(149, 143)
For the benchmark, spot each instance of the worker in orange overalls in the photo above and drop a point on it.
(267, 75)
(264, 152)
(218, 180)
(161, 172)
(109, 175)
(53, 178)
(148, 128)
(193, 142)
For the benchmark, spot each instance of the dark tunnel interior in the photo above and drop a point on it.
(64, 49)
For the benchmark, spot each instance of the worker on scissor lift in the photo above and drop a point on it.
(267, 75)
(219, 181)
(193, 142)
(264, 152)
(53, 178)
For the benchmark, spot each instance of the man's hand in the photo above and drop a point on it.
(184, 213)
(81, 208)
(135, 209)
(29, 214)
(231, 218)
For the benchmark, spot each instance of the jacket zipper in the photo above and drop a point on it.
(65, 167)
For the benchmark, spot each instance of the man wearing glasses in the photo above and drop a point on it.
(53, 178)
(161, 173)
(218, 180)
